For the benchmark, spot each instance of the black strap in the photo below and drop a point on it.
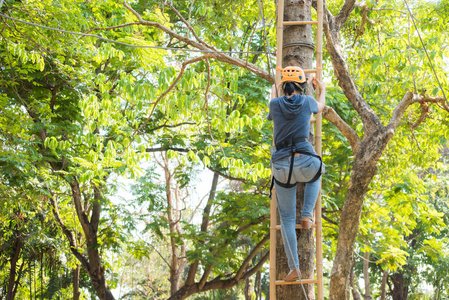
(288, 184)
(289, 143)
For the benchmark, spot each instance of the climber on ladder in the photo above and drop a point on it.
(294, 159)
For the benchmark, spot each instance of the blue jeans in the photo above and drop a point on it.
(304, 169)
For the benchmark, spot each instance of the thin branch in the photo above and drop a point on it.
(406, 101)
(151, 150)
(219, 55)
(330, 221)
(427, 99)
(113, 27)
(226, 176)
(206, 274)
(424, 112)
(191, 28)
(190, 61)
(171, 126)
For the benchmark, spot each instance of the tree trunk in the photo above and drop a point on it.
(12, 272)
(76, 282)
(257, 286)
(355, 293)
(174, 272)
(297, 51)
(367, 295)
(349, 224)
(90, 229)
(401, 285)
(247, 289)
(383, 286)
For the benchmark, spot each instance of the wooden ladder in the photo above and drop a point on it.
(318, 126)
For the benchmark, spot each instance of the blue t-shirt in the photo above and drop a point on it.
(291, 118)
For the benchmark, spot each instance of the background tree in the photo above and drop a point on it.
(89, 116)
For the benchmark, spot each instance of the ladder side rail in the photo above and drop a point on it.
(273, 204)
(318, 149)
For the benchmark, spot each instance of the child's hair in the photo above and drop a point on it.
(290, 87)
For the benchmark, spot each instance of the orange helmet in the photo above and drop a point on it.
(291, 73)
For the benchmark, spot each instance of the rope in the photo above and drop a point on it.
(304, 44)
(1, 3)
(267, 46)
(427, 54)
(130, 45)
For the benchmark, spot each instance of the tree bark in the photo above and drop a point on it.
(12, 271)
(92, 263)
(383, 286)
(247, 289)
(364, 169)
(174, 272)
(355, 293)
(367, 295)
(401, 284)
(297, 50)
(76, 283)
(258, 286)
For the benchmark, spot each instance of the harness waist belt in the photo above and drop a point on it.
(286, 143)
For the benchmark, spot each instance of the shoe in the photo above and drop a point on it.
(306, 223)
(292, 276)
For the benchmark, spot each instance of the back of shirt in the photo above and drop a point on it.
(291, 118)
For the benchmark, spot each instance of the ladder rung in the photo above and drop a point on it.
(304, 281)
(287, 23)
(297, 226)
(310, 71)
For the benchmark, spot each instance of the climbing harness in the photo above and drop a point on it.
(291, 144)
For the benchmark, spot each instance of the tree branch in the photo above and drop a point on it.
(226, 176)
(69, 234)
(171, 126)
(217, 283)
(219, 56)
(181, 72)
(204, 224)
(251, 256)
(345, 81)
(96, 209)
(160, 149)
(350, 134)
(82, 216)
(191, 28)
(344, 13)
(399, 112)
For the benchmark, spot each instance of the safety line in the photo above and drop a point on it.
(425, 50)
(130, 45)
(267, 46)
